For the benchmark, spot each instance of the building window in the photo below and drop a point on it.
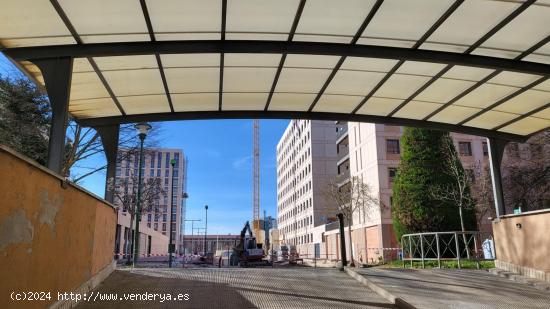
(485, 149)
(392, 171)
(167, 162)
(470, 174)
(152, 160)
(465, 148)
(392, 146)
(164, 226)
(513, 150)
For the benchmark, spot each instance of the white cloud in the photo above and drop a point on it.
(243, 162)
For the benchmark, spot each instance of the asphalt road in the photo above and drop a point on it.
(295, 287)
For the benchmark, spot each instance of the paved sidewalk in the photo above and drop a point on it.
(240, 288)
(445, 288)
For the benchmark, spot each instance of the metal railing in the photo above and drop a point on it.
(446, 246)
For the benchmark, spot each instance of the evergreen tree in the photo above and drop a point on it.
(422, 168)
(24, 118)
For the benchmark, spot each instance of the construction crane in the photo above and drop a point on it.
(256, 171)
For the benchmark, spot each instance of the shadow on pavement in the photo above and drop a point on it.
(337, 300)
(201, 294)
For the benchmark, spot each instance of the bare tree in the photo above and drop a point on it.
(526, 173)
(126, 197)
(353, 196)
(85, 142)
(482, 193)
(458, 191)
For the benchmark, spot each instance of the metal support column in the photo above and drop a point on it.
(342, 241)
(57, 73)
(109, 138)
(422, 250)
(496, 151)
(457, 250)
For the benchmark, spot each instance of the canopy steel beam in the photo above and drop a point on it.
(260, 114)
(57, 73)
(222, 55)
(496, 152)
(503, 23)
(416, 46)
(536, 110)
(109, 139)
(79, 42)
(505, 99)
(274, 47)
(297, 17)
(157, 56)
(356, 38)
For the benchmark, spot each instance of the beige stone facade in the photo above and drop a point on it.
(373, 154)
(150, 241)
(306, 160)
(155, 225)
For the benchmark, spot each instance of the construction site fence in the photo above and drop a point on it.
(364, 255)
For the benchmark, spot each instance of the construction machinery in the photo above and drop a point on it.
(248, 252)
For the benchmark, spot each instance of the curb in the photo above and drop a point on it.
(533, 282)
(398, 302)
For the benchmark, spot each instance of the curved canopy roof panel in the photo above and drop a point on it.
(474, 66)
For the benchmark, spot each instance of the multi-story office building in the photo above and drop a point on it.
(155, 221)
(306, 161)
(372, 153)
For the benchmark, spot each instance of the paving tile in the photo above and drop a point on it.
(441, 288)
(241, 288)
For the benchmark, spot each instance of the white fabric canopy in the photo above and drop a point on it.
(473, 96)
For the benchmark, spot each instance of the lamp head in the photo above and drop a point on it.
(185, 195)
(173, 162)
(206, 207)
(142, 128)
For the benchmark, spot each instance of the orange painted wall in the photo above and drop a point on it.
(528, 246)
(53, 236)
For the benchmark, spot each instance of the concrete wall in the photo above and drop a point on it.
(526, 246)
(54, 236)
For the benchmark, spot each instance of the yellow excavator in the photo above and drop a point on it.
(247, 250)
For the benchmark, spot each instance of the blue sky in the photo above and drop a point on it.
(220, 166)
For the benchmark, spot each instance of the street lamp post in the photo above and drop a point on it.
(142, 128)
(205, 226)
(198, 229)
(171, 246)
(183, 238)
(198, 234)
